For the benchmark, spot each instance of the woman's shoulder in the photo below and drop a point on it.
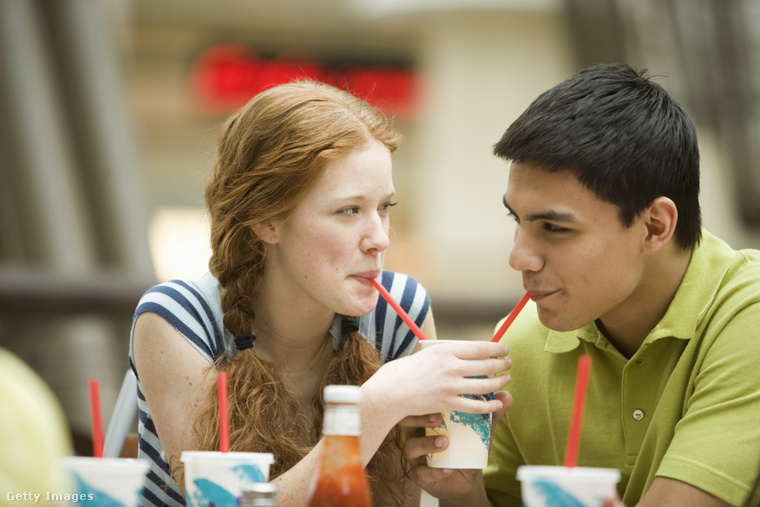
(203, 292)
(193, 307)
(392, 336)
(402, 286)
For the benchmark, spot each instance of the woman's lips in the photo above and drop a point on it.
(366, 277)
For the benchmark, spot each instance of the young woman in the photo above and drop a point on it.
(299, 205)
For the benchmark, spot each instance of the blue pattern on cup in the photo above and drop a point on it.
(249, 473)
(555, 496)
(99, 498)
(481, 423)
(209, 492)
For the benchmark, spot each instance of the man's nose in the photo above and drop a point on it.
(525, 255)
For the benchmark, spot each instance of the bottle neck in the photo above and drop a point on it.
(341, 419)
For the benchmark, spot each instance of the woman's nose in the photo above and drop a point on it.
(375, 237)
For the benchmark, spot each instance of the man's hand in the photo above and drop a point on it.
(465, 487)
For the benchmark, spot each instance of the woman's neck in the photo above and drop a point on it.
(294, 337)
(288, 317)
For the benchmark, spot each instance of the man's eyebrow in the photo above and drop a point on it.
(550, 215)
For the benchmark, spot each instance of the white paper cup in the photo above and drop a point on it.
(220, 477)
(101, 482)
(469, 434)
(543, 486)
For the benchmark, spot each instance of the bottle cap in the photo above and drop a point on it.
(257, 489)
(342, 394)
(261, 494)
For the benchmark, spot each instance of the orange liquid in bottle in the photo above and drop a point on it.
(340, 480)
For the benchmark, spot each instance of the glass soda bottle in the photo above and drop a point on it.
(340, 480)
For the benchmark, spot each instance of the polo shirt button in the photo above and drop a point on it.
(638, 414)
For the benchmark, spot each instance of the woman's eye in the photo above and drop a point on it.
(387, 206)
(352, 210)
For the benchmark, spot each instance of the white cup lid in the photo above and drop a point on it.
(261, 457)
(529, 473)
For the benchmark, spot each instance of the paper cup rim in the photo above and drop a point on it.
(425, 343)
(528, 472)
(92, 461)
(262, 457)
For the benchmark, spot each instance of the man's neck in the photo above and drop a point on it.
(631, 322)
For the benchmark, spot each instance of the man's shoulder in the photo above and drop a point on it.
(714, 253)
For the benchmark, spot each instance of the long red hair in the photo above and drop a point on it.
(270, 154)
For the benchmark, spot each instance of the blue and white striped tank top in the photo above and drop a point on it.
(194, 309)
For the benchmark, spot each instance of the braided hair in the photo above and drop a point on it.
(270, 154)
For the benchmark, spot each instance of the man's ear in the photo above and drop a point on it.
(660, 218)
(267, 231)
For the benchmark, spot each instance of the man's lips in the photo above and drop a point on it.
(538, 295)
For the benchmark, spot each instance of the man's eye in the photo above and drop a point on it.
(554, 228)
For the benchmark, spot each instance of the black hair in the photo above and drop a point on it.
(622, 135)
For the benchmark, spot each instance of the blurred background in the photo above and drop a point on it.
(109, 112)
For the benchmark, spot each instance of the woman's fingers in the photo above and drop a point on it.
(466, 350)
(448, 369)
(482, 385)
(467, 359)
(474, 349)
(477, 405)
(484, 367)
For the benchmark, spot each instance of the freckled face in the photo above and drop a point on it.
(334, 242)
(578, 262)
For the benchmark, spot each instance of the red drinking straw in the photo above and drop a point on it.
(512, 316)
(224, 429)
(400, 311)
(96, 418)
(571, 454)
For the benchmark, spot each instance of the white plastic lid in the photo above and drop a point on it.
(342, 394)
(264, 458)
(606, 475)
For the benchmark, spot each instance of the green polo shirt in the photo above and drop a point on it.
(685, 406)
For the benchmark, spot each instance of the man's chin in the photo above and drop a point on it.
(556, 322)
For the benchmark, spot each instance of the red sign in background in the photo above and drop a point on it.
(225, 77)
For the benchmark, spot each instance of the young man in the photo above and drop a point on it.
(603, 186)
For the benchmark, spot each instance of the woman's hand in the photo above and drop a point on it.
(433, 380)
